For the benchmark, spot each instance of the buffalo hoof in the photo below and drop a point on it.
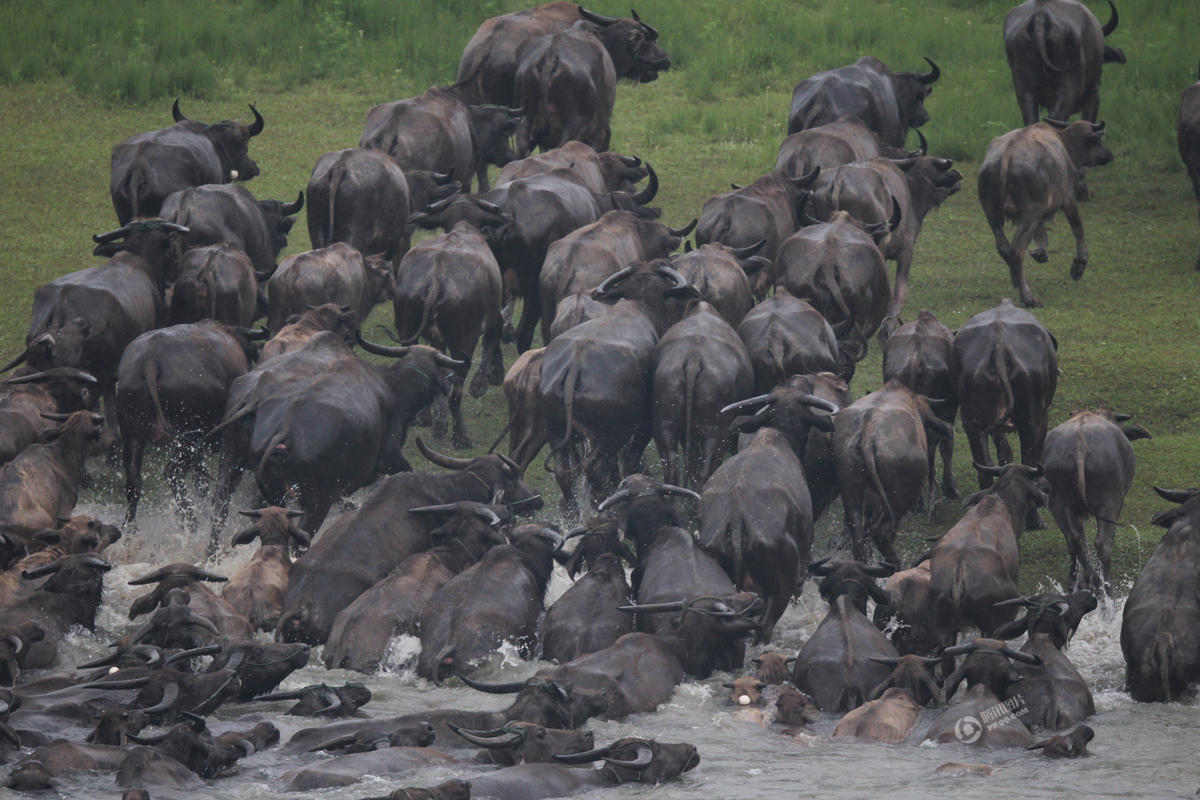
(507, 333)
(479, 383)
(949, 490)
(1039, 255)
(1030, 301)
(1034, 522)
(1077, 268)
(461, 441)
(889, 326)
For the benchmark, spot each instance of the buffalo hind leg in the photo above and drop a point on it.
(176, 477)
(132, 455)
(1040, 252)
(980, 454)
(1081, 251)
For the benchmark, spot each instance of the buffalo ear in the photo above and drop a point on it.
(973, 498)
(246, 536)
(1165, 519)
(1135, 432)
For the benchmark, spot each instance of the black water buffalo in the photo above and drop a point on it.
(148, 167)
(41, 484)
(600, 171)
(525, 216)
(700, 367)
(1027, 176)
(988, 663)
(833, 144)
(443, 131)
(182, 591)
(335, 274)
(448, 290)
(321, 422)
(1055, 50)
(215, 282)
(719, 274)
(586, 617)
(838, 268)
(755, 510)
(362, 197)
(333, 572)
(974, 565)
(786, 336)
(766, 210)
(227, 213)
(1089, 465)
(498, 599)
(24, 398)
(888, 103)
(900, 193)
(880, 447)
(1004, 369)
(256, 590)
(961, 722)
(918, 356)
(489, 61)
(362, 631)
(584, 258)
(846, 657)
(1162, 613)
(341, 320)
(1188, 137)
(566, 82)
(172, 385)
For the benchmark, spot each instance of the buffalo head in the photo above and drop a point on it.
(634, 760)
(526, 742)
(1083, 141)
(911, 90)
(632, 45)
(230, 139)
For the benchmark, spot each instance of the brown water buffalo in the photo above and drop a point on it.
(601, 172)
(900, 193)
(888, 718)
(1188, 137)
(974, 565)
(1162, 614)
(489, 61)
(838, 268)
(1071, 744)
(148, 167)
(172, 385)
(443, 131)
(70, 597)
(584, 258)
(527, 431)
(1055, 50)
(719, 274)
(1027, 176)
(215, 282)
(335, 274)
(199, 605)
(833, 144)
(448, 290)
(911, 611)
(888, 103)
(41, 484)
(576, 309)
(701, 366)
(880, 455)
(1004, 369)
(918, 356)
(786, 336)
(1089, 465)
(25, 397)
(256, 590)
(342, 320)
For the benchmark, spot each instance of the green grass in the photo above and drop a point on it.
(75, 78)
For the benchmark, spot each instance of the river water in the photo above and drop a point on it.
(1140, 750)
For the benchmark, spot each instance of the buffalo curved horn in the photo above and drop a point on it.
(685, 230)
(251, 513)
(379, 349)
(15, 643)
(894, 220)
(630, 161)
(508, 462)
(498, 738)
(647, 194)
(1015, 601)
(487, 515)
(593, 17)
(615, 497)
(1117, 417)
(333, 701)
(266, 698)
(16, 362)
(651, 31)
(806, 180)
(643, 760)
(747, 251)
(491, 688)
(104, 238)
(183, 655)
(1018, 655)
(176, 114)
(448, 508)
(1174, 495)
(443, 360)
(169, 697)
(1113, 18)
(653, 608)
(750, 401)
(933, 74)
(988, 469)
(45, 569)
(300, 535)
(819, 567)
(821, 403)
(256, 127)
(678, 491)
(585, 757)
(678, 282)
(879, 570)
(488, 205)
(1098, 127)
(960, 650)
(923, 148)
(292, 208)
(1055, 123)
(687, 246)
(146, 740)
(132, 683)
(434, 457)
(247, 747)
(162, 573)
(611, 281)
(890, 662)
(54, 417)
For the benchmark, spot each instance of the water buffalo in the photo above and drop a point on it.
(336, 274)
(700, 366)
(489, 61)
(1027, 177)
(192, 609)
(601, 172)
(786, 336)
(888, 103)
(172, 384)
(585, 618)
(1055, 50)
(333, 572)
(71, 596)
(25, 397)
(964, 722)
(148, 167)
(1089, 465)
(257, 589)
(918, 356)
(1162, 613)
(41, 484)
(888, 718)
(448, 290)
(341, 320)
(215, 282)
(908, 618)
(880, 456)
(719, 274)
(833, 144)
(1188, 137)
(1071, 744)
(1004, 369)
(527, 431)
(443, 131)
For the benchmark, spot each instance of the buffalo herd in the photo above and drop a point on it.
(735, 356)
